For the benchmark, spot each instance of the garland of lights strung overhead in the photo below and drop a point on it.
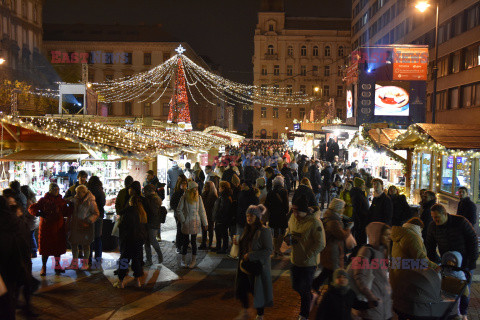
(152, 85)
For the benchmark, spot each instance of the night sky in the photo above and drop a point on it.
(222, 30)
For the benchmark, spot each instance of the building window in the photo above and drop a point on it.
(275, 113)
(315, 51)
(147, 59)
(275, 89)
(263, 112)
(303, 70)
(288, 113)
(441, 100)
(109, 77)
(303, 89)
(264, 70)
(128, 108)
(473, 16)
(455, 62)
(327, 71)
(270, 27)
(165, 108)
(147, 109)
(314, 70)
(453, 98)
(129, 58)
(276, 70)
(302, 113)
(327, 51)
(339, 71)
(303, 51)
(35, 14)
(339, 113)
(263, 89)
(289, 89)
(471, 56)
(290, 51)
(24, 8)
(340, 51)
(166, 56)
(339, 91)
(442, 67)
(270, 49)
(326, 91)
(467, 96)
(289, 70)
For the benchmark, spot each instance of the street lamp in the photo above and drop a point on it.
(2, 60)
(422, 7)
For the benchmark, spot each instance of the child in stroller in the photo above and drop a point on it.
(432, 297)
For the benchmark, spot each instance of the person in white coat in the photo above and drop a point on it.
(192, 217)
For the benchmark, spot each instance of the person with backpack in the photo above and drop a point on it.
(133, 232)
(372, 284)
(277, 210)
(332, 257)
(306, 236)
(153, 205)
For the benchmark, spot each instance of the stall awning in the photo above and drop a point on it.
(450, 136)
(45, 156)
(384, 136)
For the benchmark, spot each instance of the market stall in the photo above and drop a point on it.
(444, 157)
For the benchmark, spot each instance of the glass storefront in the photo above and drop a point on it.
(461, 174)
(447, 174)
(425, 171)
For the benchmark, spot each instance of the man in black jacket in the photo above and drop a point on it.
(381, 209)
(327, 176)
(315, 179)
(429, 199)
(452, 233)
(246, 198)
(466, 208)
(360, 210)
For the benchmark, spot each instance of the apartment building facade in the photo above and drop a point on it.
(398, 21)
(298, 54)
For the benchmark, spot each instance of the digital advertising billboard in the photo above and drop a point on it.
(392, 99)
(349, 103)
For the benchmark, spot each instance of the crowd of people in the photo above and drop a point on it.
(257, 202)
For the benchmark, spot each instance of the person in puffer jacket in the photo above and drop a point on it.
(306, 236)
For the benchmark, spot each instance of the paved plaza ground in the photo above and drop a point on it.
(169, 292)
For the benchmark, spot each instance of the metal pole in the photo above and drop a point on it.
(435, 68)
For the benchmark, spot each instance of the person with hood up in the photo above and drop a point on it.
(306, 236)
(255, 247)
(333, 256)
(192, 217)
(153, 203)
(277, 210)
(246, 198)
(373, 283)
(345, 196)
(51, 209)
(408, 246)
(172, 176)
(19, 196)
(340, 299)
(305, 190)
(81, 225)
(199, 176)
(222, 216)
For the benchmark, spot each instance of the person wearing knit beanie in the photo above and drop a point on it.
(257, 211)
(278, 181)
(358, 182)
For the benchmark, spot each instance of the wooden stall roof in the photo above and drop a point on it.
(451, 136)
(45, 156)
(384, 136)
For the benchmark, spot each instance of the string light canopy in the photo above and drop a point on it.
(153, 84)
(124, 141)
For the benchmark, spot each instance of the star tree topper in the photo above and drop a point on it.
(180, 49)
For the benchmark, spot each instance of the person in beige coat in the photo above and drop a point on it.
(81, 228)
(306, 236)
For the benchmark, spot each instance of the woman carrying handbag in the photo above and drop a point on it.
(253, 272)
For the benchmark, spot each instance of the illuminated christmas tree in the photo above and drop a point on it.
(179, 110)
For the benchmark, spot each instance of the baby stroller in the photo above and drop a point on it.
(418, 295)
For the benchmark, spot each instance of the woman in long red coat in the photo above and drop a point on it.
(51, 209)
